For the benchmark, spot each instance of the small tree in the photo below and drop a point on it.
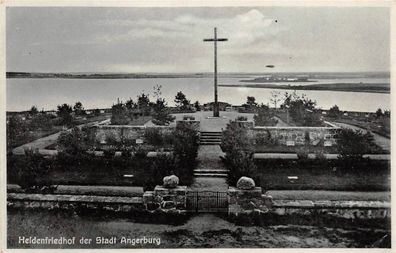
(334, 112)
(64, 112)
(96, 112)
(161, 113)
(251, 104)
(119, 114)
(79, 109)
(181, 101)
(143, 104)
(130, 104)
(197, 106)
(379, 113)
(33, 110)
(275, 98)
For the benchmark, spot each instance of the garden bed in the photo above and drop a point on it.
(295, 149)
(88, 170)
(335, 175)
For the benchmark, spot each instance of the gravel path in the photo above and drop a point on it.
(381, 141)
(44, 142)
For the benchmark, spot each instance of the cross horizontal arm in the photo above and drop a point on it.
(221, 39)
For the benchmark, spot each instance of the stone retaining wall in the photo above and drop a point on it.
(118, 132)
(295, 136)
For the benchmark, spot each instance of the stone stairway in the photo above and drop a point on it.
(210, 138)
(210, 164)
(211, 173)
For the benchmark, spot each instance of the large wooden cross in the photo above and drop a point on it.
(215, 40)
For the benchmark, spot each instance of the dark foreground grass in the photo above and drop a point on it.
(204, 230)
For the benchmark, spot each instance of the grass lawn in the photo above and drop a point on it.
(91, 177)
(87, 171)
(372, 176)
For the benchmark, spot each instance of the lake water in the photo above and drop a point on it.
(22, 93)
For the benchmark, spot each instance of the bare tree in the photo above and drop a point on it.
(275, 97)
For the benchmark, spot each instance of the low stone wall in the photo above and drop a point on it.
(337, 209)
(118, 132)
(174, 201)
(70, 202)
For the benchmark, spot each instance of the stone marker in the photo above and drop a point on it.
(246, 183)
(171, 181)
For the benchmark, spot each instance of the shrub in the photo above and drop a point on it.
(302, 154)
(354, 144)
(240, 164)
(239, 152)
(161, 115)
(153, 136)
(265, 139)
(140, 152)
(73, 142)
(109, 153)
(185, 150)
(162, 165)
(188, 117)
(30, 171)
(241, 118)
(264, 117)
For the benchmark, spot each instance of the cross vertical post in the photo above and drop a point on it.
(215, 40)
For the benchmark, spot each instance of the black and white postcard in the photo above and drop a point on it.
(180, 125)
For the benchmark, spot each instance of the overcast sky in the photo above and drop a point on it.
(85, 39)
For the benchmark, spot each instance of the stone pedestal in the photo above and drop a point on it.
(170, 198)
(247, 201)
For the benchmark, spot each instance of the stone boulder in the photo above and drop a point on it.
(171, 181)
(246, 183)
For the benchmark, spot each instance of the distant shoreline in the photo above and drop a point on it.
(344, 87)
(100, 76)
(242, 75)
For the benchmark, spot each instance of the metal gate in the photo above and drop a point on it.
(207, 201)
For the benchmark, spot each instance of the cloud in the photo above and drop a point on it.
(242, 29)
